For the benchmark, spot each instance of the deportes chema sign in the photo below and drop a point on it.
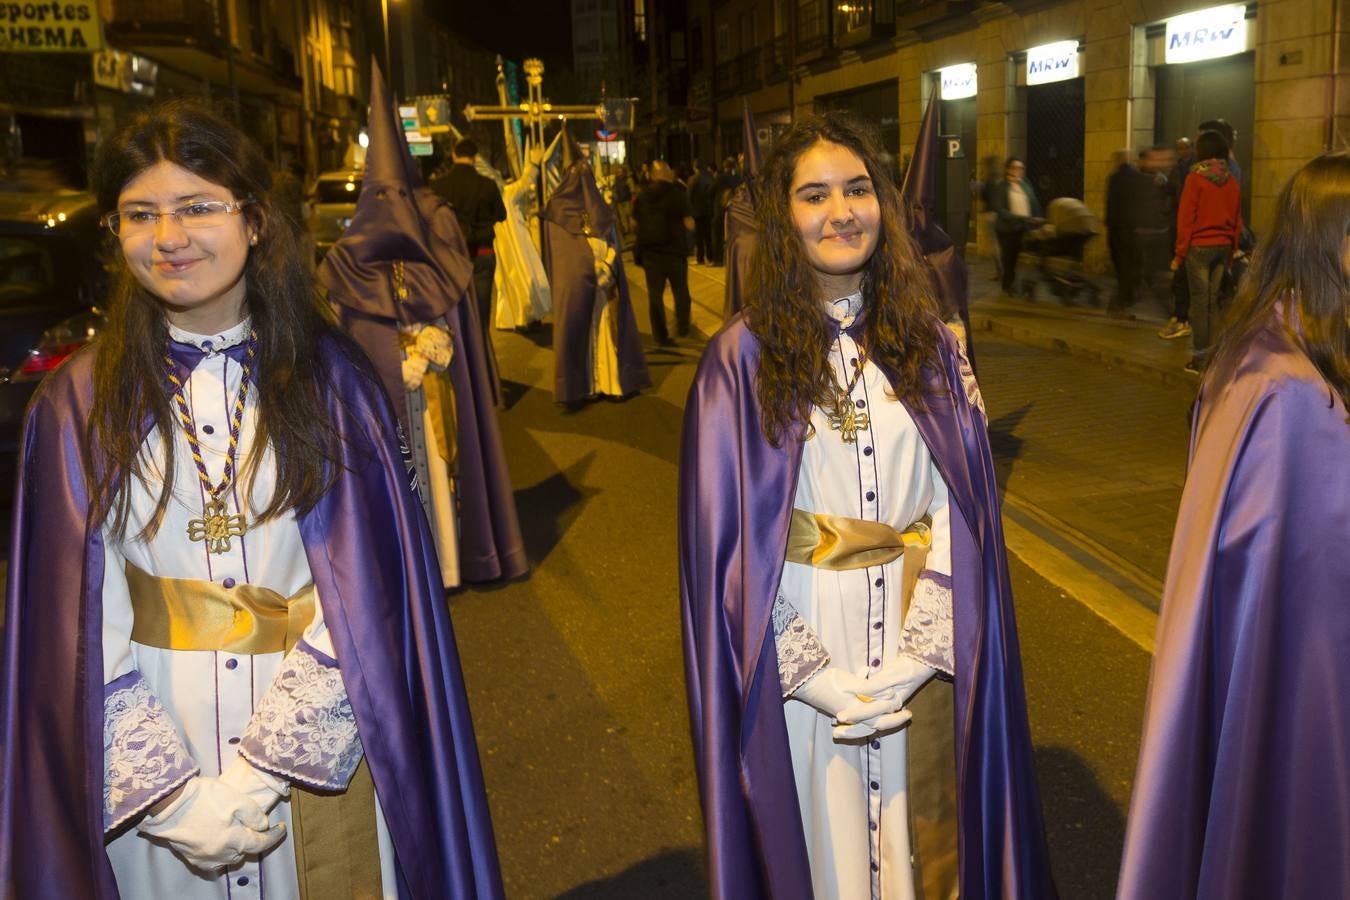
(1207, 34)
(1052, 62)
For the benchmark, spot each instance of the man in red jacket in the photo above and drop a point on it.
(1209, 223)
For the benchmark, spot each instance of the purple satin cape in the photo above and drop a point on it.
(1243, 786)
(370, 551)
(575, 206)
(735, 504)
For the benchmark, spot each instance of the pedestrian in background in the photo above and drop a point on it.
(1179, 323)
(1120, 228)
(1242, 788)
(1016, 210)
(723, 187)
(1209, 224)
(840, 404)
(478, 207)
(701, 202)
(225, 627)
(664, 224)
(623, 201)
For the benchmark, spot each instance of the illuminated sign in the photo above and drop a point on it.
(1052, 62)
(1207, 34)
(125, 72)
(70, 26)
(958, 82)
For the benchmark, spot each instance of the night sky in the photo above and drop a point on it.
(514, 28)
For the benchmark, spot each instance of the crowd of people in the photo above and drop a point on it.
(248, 674)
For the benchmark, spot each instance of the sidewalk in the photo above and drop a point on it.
(1079, 330)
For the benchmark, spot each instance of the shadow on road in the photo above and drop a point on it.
(553, 505)
(677, 874)
(1085, 830)
(1005, 443)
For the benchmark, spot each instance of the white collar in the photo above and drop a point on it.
(213, 343)
(845, 309)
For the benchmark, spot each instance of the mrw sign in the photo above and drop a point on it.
(1207, 34)
(53, 26)
(1052, 62)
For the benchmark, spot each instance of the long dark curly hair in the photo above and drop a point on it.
(785, 309)
(290, 381)
(1301, 260)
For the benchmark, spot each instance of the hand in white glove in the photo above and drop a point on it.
(891, 686)
(212, 824)
(263, 788)
(848, 699)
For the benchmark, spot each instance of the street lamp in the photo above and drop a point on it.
(388, 60)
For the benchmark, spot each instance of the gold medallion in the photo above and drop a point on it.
(216, 527)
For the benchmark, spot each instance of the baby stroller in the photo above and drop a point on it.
(1058, 246)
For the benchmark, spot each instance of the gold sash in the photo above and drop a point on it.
(188, 614)
(839, 543)
(336, 849)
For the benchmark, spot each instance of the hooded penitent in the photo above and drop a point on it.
(741, 228)
(402, 281)
(919, 194)
(595, 337)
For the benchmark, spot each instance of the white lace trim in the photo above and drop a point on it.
(213, 343)
(927, 635)
(845, 309)
(304, 728)
(968, 381)
(144, 758)
(800, 653)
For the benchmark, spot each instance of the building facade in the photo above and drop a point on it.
(1060, 84)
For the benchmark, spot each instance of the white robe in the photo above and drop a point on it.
(520, 282)
(853, 796)
(209, 695)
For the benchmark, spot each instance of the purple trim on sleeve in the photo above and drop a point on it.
(144, 757)
(939, 579)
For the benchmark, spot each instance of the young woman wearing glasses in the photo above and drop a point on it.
(228, 666)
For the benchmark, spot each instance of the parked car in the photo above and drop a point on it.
(52, 282)
(332, 203)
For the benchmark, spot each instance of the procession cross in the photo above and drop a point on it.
(535, 110)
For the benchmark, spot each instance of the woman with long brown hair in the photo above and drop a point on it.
(225, 639)
(1242, 788)
(854, 680)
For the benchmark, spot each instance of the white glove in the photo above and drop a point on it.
(891, 686)
(263, 788)
(212, 824)
(414, 367)
(849, 699)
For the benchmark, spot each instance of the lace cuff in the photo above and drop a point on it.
(304, 729)
(800, 653)
(927, 635)
(144, 758)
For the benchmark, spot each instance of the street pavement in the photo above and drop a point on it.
(575, 673)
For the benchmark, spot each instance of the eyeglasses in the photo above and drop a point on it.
(204, 214)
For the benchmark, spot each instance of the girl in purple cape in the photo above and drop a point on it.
(225, 634)
(849, 644)
(1243, 787)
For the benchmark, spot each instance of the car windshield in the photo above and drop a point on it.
(25, 266)
(335, 191)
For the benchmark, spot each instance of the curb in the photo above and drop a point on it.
(984, 321)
